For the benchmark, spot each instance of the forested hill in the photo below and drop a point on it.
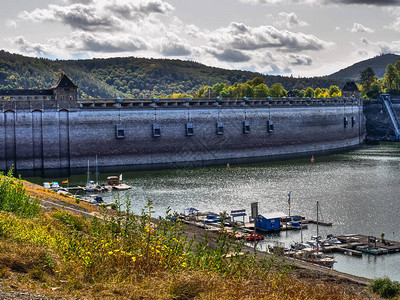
(132, 77)
(378, 65)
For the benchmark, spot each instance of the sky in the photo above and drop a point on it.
(280, 37)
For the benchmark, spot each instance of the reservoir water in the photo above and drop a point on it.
(358, 191)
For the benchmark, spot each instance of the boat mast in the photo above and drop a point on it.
(317, 226)
(301, 229)
(88, 171)
(97, 174)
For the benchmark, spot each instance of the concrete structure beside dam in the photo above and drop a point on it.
(65, 133)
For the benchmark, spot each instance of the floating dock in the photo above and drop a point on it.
(370, 244)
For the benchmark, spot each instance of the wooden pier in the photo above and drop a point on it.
(322, 223)
(344, 248)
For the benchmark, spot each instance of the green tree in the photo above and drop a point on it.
(367, 78)
(318, 93)
(296, 92)
(309, 92)
(375, 89)
(334, 91)
(218, 87)
(226, 93)
(397, 65)
(277, 90)
(256, 81)
(248, 91)
(261, 91)
(388, 79)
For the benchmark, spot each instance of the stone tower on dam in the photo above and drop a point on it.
(47, 129)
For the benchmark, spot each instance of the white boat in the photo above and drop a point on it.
(91, 186)
(314, 256)
(331, 240)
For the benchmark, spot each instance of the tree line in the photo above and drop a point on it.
(371, 86)
(257, 88)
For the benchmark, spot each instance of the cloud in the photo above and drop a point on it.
(242, 37)
(288, 20)
(106, 42)
(139, 10)
(363, 53)
(31, 49)
(361, 28)
(99, 16)
(368, 2)
(175, 49)
(77, 16)
(324, 2)
(229, 55)
(81, 42)
(79, 1)
(11, 24)
(300, 60)
(383, 47)
(395, 25)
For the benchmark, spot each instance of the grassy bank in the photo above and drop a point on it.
(119, 255)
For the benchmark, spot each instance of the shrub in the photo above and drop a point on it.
(13, 197)
(385, 287)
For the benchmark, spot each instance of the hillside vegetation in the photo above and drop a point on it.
(377, 64)
(133, 77)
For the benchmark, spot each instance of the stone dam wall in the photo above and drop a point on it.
(54, 134)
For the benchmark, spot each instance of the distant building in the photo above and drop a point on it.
(63, 90)
(350, 89)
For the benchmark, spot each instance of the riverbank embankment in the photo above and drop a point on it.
(314, 280)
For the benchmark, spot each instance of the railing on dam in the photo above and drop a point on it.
(41, 105)
(214, 102)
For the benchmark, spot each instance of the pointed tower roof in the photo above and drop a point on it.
(64, 81)
(350, 86)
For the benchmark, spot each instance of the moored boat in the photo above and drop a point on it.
(315, 257)
(90, 186)
(372, 250)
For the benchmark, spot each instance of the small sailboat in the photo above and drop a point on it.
(313, 254)
(91, 186)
